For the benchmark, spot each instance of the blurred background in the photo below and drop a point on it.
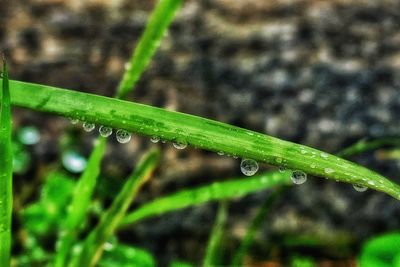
(320, 73)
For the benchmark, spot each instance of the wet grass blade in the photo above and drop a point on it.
(93, 245)
(200, 132)
(364, 145)
(5, 171)
(254, 226)
(213, 255)
(216, 191)
(145, 49)
(81, 198)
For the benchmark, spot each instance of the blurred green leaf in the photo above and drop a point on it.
(302, 261)
(126, 256)
(43, 216)
(381, 251)
(180, 264)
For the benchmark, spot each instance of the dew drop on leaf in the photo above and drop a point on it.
(221, 153)
(328, 170)
(282, 169)
(88, 126)
(155, 139)
(249, 167)
(105, 131)
(123, 136)
(360, 188)
(73, 120)
(298, 177)
(180, 144)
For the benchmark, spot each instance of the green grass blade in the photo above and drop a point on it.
(200, 132)
(81, 198)
(254, 226)
(93, 245)
(213, 255)
(155, 29)
(216, 191)
(5, 171)
(363, 145)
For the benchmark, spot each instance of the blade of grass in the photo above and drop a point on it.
(213, 255)
(254, 226)
(81, 198)
(199, 132)
(216, 191)
(156, 27)
(93, 245)
(5, 171)
(364, 145)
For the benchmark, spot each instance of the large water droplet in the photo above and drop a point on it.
(73, 161)
(298, 177)
(180, 144)
(155, 139)
(105, 131)
(360, 188)
(88, 126)
(249, 167)
(29, 135)
(123, 136)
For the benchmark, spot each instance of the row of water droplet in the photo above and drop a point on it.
(248, 167)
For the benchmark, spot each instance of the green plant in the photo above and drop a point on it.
(182, 130)
(381, 251)
(5, 171)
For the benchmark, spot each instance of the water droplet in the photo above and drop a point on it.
(180, 144)
(155, 139)
(312, 166)
(360, 188)
(73, 120)
(324, 155)
(278, 160)
(29, 135)
(88, 126)
(298, 177)
(371, 182)
(221, 153)
(127, 65)
(328, 170)
(105, 131)
(303, 151)
(235, 156)
(282, 169)
(123, 136)
(108, 246)
(249, 167)
(73, 162)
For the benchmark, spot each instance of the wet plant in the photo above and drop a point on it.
(69, 211)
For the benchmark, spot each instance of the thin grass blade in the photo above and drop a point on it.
(93, 245)
(255, 225)
(5, 171)
(81, 198)
(158, 23)
(213, 255)
(364, 145)
(200, 132)
(216, 191)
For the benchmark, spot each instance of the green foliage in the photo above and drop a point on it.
(81, 198)
(158, 23)
(126, 256)
(42, 217)
(214, 251)
(381, 251)
(199, 132)
(216, 191)
(180, 264)
(93, 245)
(6, 169)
